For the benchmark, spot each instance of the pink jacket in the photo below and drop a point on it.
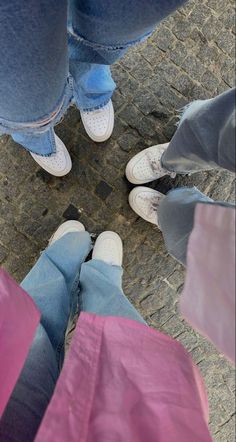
(18, 320)
(121, 380)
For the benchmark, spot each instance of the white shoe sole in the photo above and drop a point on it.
(110, 127)
(101, 250)
(66, 227)
(68, 162)
(135, 206)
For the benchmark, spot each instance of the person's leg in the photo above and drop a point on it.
(172, 213)
(205, 138)
(53, 285)
(176, 216)
(93, 83)
(58, 162)
(101, 291)
(99, 33)
(32, 393)
(101, 281)
(104, 30)
(34, 86)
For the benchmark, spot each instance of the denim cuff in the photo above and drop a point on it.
(42, 144)
(91, 52)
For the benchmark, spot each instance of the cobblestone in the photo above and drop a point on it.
(190, 56)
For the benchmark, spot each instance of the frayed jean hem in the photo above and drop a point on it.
(48, 144)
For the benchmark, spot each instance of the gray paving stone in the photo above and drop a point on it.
(193, 67)
(71, 213)
(142, 70)
(157, 300)
(178, 53)
(103, 190)
(210, 81)
(190, 56)
(211, 29)
(176, 279)
(181, 28)
(228, 19)
(152, 54)
(164, 39)
(199, 14)
(226, 41)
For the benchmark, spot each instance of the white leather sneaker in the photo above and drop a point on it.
(99, 123)
(109, 248)
(57, 164)
(145, 202)
(146, 165)
(66, 227)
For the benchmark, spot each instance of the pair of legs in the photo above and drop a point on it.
(57, 53)
(60, 283)
(205, 139)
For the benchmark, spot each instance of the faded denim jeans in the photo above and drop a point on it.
(59, 283)
(57, 52)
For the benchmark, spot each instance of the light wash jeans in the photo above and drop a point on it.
(59, 283)
(205, 139)
(57, 52)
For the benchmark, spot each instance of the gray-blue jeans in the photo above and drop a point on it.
(205, 139)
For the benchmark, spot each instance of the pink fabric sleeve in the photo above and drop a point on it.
(208, 298)
(19, 318)
(123, 381)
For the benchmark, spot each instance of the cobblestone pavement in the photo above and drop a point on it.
(189, 56)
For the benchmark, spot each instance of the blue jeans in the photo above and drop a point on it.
(59, 283)
(54, 53)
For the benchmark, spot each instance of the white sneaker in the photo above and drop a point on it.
(146, 165)
(66, 227)
(57, 164)
(109, 248)
(99, 123)
(145, 202)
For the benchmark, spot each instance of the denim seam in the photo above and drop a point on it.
(52, 141)
(80, 300)
(100, 46)
(74, 289)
